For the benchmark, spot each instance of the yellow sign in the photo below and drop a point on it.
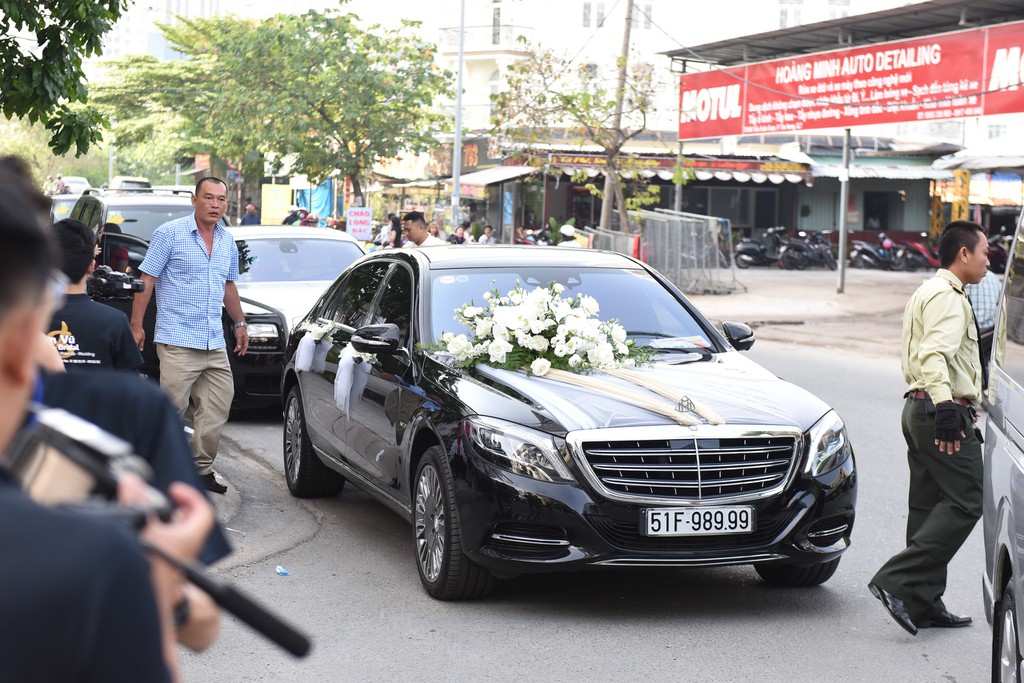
(275, 200)
(960, 207)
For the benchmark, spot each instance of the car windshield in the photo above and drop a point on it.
(643, 306)
(286, 259)
(142, 219)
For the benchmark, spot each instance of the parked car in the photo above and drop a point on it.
(125, 182)
(280, 277)
(496, 479)
(61, 205)
(76, 184)
(1003, 499)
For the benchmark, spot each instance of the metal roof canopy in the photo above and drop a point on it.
(901, 23)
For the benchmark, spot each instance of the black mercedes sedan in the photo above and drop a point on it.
(501, 473)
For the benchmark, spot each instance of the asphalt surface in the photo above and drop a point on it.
(805, 307)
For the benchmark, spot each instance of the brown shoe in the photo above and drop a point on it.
(211, 484)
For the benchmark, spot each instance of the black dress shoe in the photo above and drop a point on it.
(895, 607)
(211, 484)
(944, 619)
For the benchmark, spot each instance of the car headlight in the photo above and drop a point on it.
(520, 449)
(263, 331)
(828, 445)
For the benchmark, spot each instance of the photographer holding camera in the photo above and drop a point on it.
(70, 584)
(87, 334)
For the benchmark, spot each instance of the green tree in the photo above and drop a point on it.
(546, 98)
(42, 45)
(316, 90)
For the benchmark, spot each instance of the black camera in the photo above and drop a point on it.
(109, 285)
(59, 459)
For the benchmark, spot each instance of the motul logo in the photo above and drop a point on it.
(1007, 69)
(711, 104)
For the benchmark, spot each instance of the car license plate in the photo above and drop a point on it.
(698, 521)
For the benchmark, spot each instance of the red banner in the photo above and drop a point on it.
(946, 76)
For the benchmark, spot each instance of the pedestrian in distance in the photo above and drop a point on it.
(59, 186)
(395, 238)
(416, 229)
(488, 235)
(88, 335)
(250, 217)
(568, 234)
(942, 367)
(459, 236)
(192, 263)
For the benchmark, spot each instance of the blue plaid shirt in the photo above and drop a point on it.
(984, 298)
(190, 284)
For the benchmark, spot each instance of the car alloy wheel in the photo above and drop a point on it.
(305, 475)
(430, 523)
(1006, 659)
(445, 571)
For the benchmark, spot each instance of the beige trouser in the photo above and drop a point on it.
(205, 377)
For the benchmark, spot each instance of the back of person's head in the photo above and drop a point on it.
(415, 217)
(955, 236)
(395, 222)
(77, 246)
(28, 252)
(16, 166)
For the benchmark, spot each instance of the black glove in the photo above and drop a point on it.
(948, 422)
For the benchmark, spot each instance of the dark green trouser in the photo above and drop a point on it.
(945, 503)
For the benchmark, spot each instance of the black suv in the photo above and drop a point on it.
(126, 220)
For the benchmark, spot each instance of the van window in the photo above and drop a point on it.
(1009, 342)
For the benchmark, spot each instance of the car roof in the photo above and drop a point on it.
(493, 255)
(247, 232)
(144, 199)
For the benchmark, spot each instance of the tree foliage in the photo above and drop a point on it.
(330, 95)
(547, 98)
(42, 45)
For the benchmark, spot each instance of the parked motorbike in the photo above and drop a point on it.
(809, 249)
(880, 257)
(998, 248)
(750, 252)
(918, 255)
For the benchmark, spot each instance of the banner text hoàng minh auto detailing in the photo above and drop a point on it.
(951, 75)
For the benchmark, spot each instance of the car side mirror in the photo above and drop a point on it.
(381, 338)
(739, 335)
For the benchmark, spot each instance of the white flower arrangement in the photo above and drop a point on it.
(540, 330)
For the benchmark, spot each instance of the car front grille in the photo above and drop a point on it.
(701, 467)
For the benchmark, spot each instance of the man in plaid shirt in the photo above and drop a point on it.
(192, 263)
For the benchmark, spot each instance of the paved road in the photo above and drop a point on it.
(353, 585)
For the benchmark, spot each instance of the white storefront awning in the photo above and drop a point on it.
(498, 174)
(888, 172)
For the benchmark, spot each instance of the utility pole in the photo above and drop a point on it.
(457, 147)
(611, 177)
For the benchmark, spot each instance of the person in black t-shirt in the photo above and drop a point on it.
(87, 334)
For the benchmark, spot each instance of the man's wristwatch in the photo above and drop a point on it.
(241, 324)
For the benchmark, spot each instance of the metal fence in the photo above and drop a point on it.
(693, 251)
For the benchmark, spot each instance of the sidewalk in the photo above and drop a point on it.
(803, 307)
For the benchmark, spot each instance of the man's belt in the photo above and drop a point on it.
(923, 396)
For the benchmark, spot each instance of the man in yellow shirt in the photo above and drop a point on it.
(942, 367)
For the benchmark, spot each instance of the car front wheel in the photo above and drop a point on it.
(796, 576)
(445, 571)
(306, 476)
(1006, 658)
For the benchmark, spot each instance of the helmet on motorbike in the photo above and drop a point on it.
(887, 243)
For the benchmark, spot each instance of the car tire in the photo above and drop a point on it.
(445, 570)
(787, 575)
(1006, 657)
(306, 475)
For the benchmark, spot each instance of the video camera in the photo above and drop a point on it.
(109, 285)
(61, 460)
